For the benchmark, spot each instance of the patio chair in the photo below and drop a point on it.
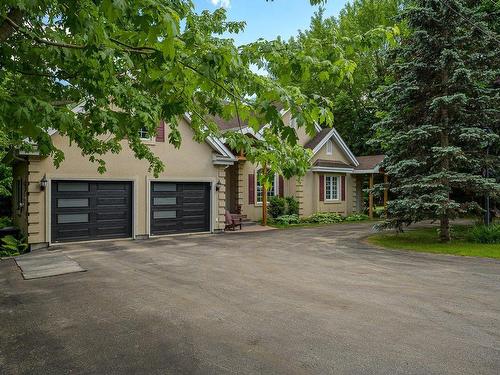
(232, 221)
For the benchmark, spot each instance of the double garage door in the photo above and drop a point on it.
(93, 210)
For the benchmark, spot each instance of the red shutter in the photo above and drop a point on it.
(160, 132)
(281, 187)
(251, 189)
(342, 188)
(321, 188)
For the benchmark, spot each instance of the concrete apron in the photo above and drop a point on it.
(46, 264)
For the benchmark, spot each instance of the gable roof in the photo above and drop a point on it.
(312, 143)
(323, 136)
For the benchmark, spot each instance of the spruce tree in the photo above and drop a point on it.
(442, 112)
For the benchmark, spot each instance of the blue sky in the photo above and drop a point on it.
(269, 19)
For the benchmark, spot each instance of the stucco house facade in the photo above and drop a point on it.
(200, 182)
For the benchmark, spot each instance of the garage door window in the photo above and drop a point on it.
(72, 186)
(68, 203)
(72, 218)
(162, 201)
(165, 214)
(165, 187)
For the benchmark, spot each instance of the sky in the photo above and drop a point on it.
(268, 19)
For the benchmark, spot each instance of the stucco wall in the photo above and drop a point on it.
(192, 162)
(306, 189)
(254, 211)
(337, 154)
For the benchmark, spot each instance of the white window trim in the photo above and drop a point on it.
(147, 139)
(338, 178)
(329, 147)
(276, 188)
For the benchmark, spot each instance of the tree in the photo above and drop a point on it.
(442, 111)
(128, 64)
(358, 37)
(5, 171)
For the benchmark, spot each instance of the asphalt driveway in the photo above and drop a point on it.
(303, 301)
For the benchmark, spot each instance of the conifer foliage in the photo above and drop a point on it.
(442, 112)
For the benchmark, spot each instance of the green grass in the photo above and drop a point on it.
(426, 240)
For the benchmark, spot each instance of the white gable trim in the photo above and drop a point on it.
(338, 139)
(332, 169)
(216, 143)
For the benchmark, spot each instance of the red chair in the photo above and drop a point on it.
(232, 221)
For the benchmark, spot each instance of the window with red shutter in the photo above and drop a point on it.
(321, 188)
(342, 188)
(160, 132)
(251, 189)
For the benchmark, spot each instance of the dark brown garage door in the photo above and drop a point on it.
(180, 207)
(90, 210)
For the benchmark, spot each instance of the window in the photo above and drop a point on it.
(329, 147)
(144, 135)
(332, 187)
(19, 193)
(270, 192)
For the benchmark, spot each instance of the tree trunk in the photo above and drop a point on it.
(445, 164)
(444, 234)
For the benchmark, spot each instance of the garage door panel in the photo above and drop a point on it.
(180, 207)
(107, 214)
(112, 201)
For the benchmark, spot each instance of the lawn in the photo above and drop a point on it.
(426, 240)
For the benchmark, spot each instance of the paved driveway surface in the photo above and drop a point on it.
(302, 301)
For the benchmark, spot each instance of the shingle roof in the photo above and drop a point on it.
(229, 124)
(369, 161)
(331, 164)
(317, 138)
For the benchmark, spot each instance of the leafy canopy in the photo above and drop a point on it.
(130, 63)
(354, 44)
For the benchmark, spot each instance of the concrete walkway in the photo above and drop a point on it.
(45, 264)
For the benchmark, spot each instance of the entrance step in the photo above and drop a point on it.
(248, 222)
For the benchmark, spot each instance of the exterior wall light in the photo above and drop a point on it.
(43, 183)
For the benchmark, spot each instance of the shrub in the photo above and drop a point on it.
(292, 206)
(11, 246)
(485, 234)
(324, 218)
(356, 217)
(287, 219)
(276, 207)
(5, 221)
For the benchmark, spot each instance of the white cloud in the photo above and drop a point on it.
(221, 3)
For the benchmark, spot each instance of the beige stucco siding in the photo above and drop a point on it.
(254, 211)
(337, 154)
(192, 162)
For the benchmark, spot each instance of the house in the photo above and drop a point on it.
(201, 180)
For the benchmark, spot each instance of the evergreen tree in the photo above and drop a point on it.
(442, 111)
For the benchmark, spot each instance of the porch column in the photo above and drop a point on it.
(221, 202)
(386, 193)
(370, 197)
(299, 194)
(264, 198)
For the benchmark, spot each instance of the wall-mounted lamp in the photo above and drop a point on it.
(218, 185)
(43, 183)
